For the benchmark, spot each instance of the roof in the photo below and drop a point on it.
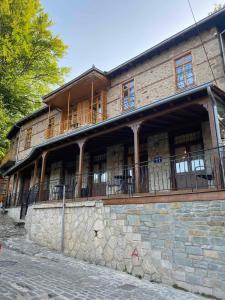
(92, 69)
(88, 130)
(214, 20)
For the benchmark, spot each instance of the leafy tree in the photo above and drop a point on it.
(29, 56)
(217, 7)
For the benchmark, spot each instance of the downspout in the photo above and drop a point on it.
(222, 48)
(218, 135)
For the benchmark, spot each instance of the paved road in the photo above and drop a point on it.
(28, 271)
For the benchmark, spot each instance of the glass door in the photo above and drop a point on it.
(190, 168)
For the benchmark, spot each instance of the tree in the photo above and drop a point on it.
(29, 60)
(217, 7)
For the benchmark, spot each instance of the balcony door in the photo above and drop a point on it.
(83, 112)
(189, 162)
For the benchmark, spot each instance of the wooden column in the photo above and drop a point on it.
(68, 110)
(80, 172)
(216, 162)
(43, 167)
(34, 179)
(92, 100)
(136, 128)
(16, 188)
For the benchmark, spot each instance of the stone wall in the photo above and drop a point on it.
(154, 78)
(39, 125)
(14, 213)
(181, 243)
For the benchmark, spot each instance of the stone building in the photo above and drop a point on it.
(138, 154)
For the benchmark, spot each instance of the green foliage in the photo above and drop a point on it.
(217, 7)
(29, 56)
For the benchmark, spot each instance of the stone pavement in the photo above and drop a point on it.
(29, 271)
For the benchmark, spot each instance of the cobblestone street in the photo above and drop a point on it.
(28, 271)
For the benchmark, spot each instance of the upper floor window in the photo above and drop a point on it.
(28, 138)
(128, 100)
(184, 72)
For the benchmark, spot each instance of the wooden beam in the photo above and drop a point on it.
(215, 152)
(81, 144)
(34, 179)
(92, 99)
(43, 167)
(68, 110)
(16, 188)
(168, 198)
(136, 128)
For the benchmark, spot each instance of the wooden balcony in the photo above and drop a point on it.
(82, 102)
(73, 122)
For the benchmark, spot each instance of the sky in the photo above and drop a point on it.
(106, 33)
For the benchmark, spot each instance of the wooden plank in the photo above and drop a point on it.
(169, 198)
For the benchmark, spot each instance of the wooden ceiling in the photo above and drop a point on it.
(79, 90)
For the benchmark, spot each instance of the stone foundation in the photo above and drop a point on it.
(181, 243)
(14, 213)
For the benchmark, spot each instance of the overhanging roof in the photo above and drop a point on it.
(197, 91)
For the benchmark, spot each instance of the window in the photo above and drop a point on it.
(28, 138)
(128, 95)
(184, 72)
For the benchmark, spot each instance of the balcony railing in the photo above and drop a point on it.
(68, 124)
(192, 172)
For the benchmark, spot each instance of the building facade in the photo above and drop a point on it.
(145, 143)
(129, 130)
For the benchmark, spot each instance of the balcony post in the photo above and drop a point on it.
(80, 172)
(34, 179)
(16, 188)
(216, 161)
(43, 167)
(92, 99)
(136, 128)
(68, 111)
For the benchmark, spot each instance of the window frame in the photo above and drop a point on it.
(186, 86)
(28, 137)
(122, 93)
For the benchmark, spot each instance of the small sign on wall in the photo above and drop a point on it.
(157, 159)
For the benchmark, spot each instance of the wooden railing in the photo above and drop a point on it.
(75, 122)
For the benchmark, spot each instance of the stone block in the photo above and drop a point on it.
(211, 254)
(193, 250)
(193, 279)
(133, 220)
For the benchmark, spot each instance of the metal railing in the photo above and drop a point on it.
(200, 170)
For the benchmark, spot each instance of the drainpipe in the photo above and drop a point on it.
(222, 48)
(218, 135)
(63, 220)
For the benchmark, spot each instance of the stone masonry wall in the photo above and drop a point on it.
(180, 243)
(155, 78)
